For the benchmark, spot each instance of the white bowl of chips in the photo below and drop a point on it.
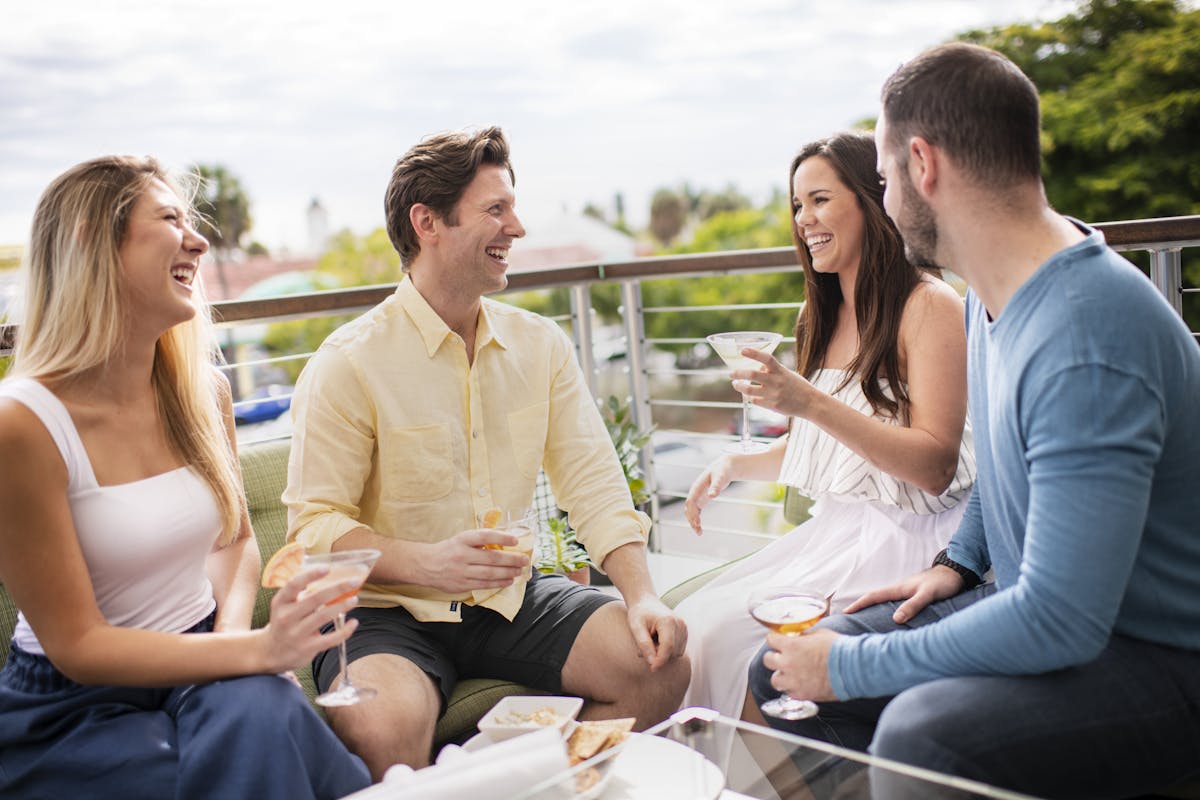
(515, 715)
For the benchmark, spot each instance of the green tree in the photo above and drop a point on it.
(361, 261)
(1120, 105)
(354, 261)
(1120, 109)
(668, 215)
(708, 203)
(224, 211)
(741, 229)
(729, 230)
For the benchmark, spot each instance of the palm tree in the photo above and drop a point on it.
(225, 214)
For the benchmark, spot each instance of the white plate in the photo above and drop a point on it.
(647, 768)
(655, 768)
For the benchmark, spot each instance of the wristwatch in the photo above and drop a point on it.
(970, 579)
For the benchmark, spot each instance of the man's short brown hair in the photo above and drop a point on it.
(436, 172)
(974, 104)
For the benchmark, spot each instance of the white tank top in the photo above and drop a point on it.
(145, 542)
(818, 464)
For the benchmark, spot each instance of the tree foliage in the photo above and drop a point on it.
(728, 230)
(1120, 88)
(1120, 105)
(353, 261)
(224, 210)
(668, 215)
(361, 260)
(224, 207)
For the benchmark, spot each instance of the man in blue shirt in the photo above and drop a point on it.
(1077, 671)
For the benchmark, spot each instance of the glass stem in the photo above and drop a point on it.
(745, 419)
(338, 623)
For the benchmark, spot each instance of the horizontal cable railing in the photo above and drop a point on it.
(659, 389)
(1144, 234)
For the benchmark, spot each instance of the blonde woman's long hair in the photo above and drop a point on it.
(73, 311)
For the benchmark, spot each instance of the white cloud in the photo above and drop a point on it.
(598, 97)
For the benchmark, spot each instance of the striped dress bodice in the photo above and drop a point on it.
(818, 464)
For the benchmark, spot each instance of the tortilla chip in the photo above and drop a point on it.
(595, 736)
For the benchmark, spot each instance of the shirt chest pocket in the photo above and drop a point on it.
(418, 463)
(527, 429)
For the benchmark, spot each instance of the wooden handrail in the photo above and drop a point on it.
(1138, 234)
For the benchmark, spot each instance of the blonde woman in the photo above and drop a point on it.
(124, 537)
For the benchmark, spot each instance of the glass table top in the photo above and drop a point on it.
(700, 755)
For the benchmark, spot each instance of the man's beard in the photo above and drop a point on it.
(917, 227)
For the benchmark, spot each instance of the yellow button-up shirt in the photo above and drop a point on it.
(395, 430)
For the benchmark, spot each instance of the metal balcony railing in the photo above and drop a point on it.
(641, 374)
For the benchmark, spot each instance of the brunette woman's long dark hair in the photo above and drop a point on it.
(885, 280)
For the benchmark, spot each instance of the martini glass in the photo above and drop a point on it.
(729, 347)
(791, 611)
(343, 565)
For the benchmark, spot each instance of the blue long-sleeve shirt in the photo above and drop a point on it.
(1085, 397)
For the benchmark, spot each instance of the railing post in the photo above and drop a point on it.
(581, 330)
(1166, 272)
(639, 390)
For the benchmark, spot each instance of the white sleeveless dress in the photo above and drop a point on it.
(868, 529)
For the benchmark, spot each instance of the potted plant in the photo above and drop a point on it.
(559, 550)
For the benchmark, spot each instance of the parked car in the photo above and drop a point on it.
(678, 461)
(763, 422)
(264, 403)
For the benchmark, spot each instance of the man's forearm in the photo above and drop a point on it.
(627, 568)
(398, 562)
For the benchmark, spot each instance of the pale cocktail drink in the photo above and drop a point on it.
(729, 347)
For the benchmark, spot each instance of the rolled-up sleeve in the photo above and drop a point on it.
(582, 465)
(331, 455)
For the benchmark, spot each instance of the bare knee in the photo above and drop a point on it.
(606, 667)
(395, 727)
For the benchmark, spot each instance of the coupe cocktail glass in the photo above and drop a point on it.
(729, 347)
(343, 564)
(790, 611)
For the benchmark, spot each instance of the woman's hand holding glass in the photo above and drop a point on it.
(293, 635)
(775, 386)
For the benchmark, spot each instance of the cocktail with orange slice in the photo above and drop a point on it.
(343, 565)
(520, 522)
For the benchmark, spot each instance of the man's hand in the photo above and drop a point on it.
(801, 664)
(660, 635)
(917, 591)
(462, 564)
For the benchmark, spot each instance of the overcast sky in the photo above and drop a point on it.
(598, 97)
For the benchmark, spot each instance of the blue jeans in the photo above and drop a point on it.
(244, 737)
(1127, 723)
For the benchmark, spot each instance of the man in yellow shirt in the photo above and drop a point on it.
(414, 420)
